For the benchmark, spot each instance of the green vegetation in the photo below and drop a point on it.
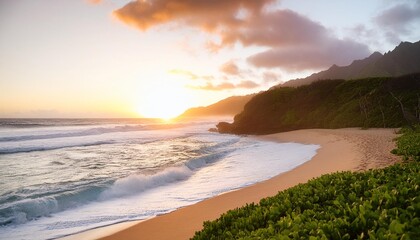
(408, 145)
(379, 204)
(372, 102)
(376, 204)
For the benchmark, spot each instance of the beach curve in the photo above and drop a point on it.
(347, 149)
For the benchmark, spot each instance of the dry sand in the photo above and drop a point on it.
(341, 149)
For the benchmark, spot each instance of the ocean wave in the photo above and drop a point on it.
(20, 149)
(19, 212)
(77, 133)
(89, 132)
(22, 123)
(135, 184)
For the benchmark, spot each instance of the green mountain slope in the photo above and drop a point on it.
(372, 102)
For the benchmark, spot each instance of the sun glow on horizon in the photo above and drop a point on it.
(164, 100)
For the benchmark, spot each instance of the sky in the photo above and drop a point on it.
(156, 58)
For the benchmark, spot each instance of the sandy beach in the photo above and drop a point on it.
(341, 150)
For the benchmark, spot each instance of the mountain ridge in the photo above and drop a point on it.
(402, 60)
(226, 107)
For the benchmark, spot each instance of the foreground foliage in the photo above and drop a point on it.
(408, 145)
(379, 204)
(376, 204)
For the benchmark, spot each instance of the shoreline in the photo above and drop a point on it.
(341, 150)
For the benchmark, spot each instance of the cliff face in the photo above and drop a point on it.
(404, 59)
(372, 102)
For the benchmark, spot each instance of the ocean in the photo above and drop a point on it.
(63, 176)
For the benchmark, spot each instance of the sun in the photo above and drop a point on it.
(164, 101)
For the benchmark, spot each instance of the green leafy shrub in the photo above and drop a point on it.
(376, 204)
(408, 145)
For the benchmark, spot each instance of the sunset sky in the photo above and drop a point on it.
(109, 58)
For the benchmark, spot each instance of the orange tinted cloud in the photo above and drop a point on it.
(208, 14)
(94, 1)
(226, 86)
(184, 73)
(247, 84)
(190, 74)
(217, 87)
(230, 68)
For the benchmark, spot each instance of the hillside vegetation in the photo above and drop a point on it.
(371, 102)
(376, 204)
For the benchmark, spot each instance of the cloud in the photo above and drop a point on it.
(212, 87)
(94, 1)
(295, 59)
(399, 20)
(248, 84)
(361, 31)
(202, 13)
(297, 43)
(280, 28)
(269, 77)
(398, 17)
(226, 86)
(230, 68)
(293, 42)
(190, 74)
(184, 73)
